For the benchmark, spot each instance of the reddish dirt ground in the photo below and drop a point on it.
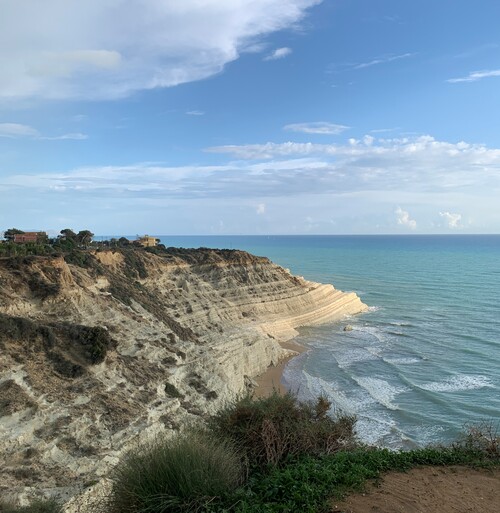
(429, 490)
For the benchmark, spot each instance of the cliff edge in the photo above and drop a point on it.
(98, 348)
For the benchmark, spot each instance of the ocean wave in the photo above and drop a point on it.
(398, 334)
(347, 357)
(372, 331)
(353, 403)
(383, 392)
(374, 425)
(458, 383)
(403, 360)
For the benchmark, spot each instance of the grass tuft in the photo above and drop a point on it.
(180, 474)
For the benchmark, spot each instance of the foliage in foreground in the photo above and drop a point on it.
(196, 473)
(180, 474)
(309, 483)
(277, 427)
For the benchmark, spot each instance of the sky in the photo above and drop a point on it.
(250, 117)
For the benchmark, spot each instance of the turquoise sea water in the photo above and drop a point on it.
(425, 359)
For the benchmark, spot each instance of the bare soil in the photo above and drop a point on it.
(429, 490)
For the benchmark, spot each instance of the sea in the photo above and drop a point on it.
(423, 362)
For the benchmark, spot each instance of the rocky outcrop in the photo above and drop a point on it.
(100, 348)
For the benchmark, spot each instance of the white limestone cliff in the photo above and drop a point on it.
(185, 330)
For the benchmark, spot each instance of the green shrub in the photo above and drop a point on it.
(172, 391)
(307, 484)
(274, 428)
(180, 474)
(37, 506)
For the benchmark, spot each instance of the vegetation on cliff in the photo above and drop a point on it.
(297, 458)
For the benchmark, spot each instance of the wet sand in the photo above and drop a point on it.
(271, 379)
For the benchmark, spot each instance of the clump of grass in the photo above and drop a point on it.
(277, 427)
(37, 506)
(180, 474)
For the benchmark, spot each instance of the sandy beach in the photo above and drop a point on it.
(271, 379)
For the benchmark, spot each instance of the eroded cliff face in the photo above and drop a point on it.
(104, 347)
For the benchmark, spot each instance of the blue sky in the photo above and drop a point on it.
(250, 117)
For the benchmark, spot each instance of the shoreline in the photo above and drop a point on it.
(271, 379)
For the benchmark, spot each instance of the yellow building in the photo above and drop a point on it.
(147, 241)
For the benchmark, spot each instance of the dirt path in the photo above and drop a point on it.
(429, 490)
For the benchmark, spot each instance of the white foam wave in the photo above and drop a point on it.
(349, 404)
(402, 360)
(374, 426)
(383, 392)
(347, 357)
(374, 308)
(376, 351)
(458, 383)
(374, 332)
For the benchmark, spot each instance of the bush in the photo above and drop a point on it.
(172, 391)
(274, 428)
(483, 438)
(180, 474)
(37, 506)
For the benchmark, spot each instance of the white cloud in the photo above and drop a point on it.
(279, 53)
(384, 130)
(453, 220)
(318, 127)
(475, 76)
(383, 60)
(101, 49)
(419, 171)
(261, 208)
(195, 113)
(66, 64)
(403, 218)
(17, 131)
(77, 136)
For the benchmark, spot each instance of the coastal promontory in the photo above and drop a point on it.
(99, 348)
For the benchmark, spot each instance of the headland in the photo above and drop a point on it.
(101, 348)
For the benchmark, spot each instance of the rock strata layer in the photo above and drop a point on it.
(100, 348)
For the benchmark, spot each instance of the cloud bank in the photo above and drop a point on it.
(101, 49)
(352, 186)
(421, 165)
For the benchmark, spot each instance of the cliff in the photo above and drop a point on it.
(98, 348)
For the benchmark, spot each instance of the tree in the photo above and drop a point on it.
(9, 234)
(84, 237)
(68, 234)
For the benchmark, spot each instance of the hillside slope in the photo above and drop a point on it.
(98, 348)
